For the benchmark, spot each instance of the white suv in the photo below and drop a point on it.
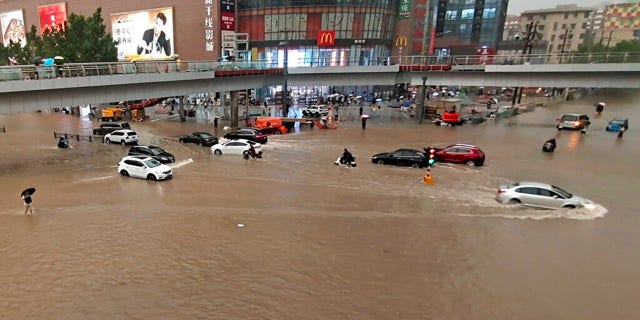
(144, 168)
(121, 136)
(315, 111)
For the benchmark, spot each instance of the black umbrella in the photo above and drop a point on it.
(29, 191)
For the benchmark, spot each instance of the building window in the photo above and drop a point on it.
(573, 26)
(566, 16)
(564, 26)
(466, 14)
(553, 37)
(586, 15)
(489, 13)
(555, 26)
(451, 15)
(559, 47)
(584, 25)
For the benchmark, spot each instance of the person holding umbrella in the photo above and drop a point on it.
(26, 197)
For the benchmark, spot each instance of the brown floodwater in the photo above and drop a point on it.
(321, 241)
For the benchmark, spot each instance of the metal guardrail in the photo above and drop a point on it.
(248, 68)
(72, 136)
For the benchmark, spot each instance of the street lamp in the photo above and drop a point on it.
(423, 96)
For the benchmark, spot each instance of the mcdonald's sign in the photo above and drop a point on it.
(326, 38)
(401, 42)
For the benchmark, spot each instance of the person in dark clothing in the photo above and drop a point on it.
(27, 203)
(347, 157)
(63, 143)
(364, 123)
(549, 145)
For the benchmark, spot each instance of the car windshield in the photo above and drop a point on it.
(156, 150)
(617, 121)
(206, 135)
(152, 163)
(569, 118)
(561, 191)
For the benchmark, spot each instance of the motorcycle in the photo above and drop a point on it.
(341, 162)
(549, 146)
(63, 143)
(251, 154)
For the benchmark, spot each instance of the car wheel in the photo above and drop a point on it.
(415, 165)
(278, 132)
(470, 163)
(217, 152)
(514, 201)
(200, 144)
(107, 140)
(151, 177)
(124, 173)
(122, 142)
(380, 162)
(181, 141)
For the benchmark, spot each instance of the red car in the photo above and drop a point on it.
(460, 153)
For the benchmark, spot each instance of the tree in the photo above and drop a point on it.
(87, 40)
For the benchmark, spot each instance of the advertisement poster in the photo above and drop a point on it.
(12, 26)
(144, 34)
(52, 16)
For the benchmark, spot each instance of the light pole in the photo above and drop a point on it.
(285, 93)
(423, 96)
(564, 42)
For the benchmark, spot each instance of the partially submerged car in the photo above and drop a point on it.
(573, 121)
(539, 195)
(617, 124)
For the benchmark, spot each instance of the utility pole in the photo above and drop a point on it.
(532, 34)
(423, 97)
(564, 42)
(285, 92)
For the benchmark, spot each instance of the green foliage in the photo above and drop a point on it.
(79, 40)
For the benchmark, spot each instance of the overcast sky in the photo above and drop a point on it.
(517, 6)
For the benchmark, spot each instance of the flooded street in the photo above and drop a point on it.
(321, 241)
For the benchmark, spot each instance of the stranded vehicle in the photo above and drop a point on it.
(111, 114)
(270, 125)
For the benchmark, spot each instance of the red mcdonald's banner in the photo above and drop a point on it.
(326, 38)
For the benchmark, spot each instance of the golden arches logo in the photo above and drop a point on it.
(326, 37)
(401, 41)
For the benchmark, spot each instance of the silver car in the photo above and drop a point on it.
(538, 195)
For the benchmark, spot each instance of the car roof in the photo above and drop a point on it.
(574, 114)
(124, 130)
(201, 132)
(463, 145)
(136, 157)
(534, 184)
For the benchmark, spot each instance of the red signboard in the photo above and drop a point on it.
(52, 16)
(432, 41)
(326, 38)
(228, 21)
(486, 54)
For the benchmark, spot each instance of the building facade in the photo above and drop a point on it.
(620, 22)
(564, 28)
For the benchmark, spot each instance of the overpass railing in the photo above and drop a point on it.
(247, 68)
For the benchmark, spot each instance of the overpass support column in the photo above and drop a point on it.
(181, 110)
(234, 110)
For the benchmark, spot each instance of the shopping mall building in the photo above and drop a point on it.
(312, 32)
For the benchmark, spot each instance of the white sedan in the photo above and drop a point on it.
(235, 147)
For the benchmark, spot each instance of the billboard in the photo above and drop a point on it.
(144, 34)
(12, 27)
(52, 16)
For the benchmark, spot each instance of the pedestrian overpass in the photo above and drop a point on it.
(30, 88)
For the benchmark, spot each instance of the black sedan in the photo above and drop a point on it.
(249, 134)
(200, 138)
(153, 152)
(402, 157)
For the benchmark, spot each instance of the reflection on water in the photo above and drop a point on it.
(320, 241)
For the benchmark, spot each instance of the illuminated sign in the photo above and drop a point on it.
(404, 9)
(401, 41)
(52, 16)
(12, 27)
(143, 34)
(326, 38)
(209, 29)
(228, 15)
